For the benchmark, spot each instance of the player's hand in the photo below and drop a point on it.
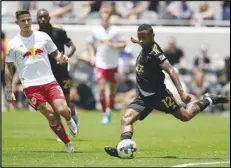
(11, 98)
(134, 40)
(186, 98)
(62, 59)
(109, 43)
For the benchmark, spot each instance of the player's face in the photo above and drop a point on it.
(105, 18)
(43, 19)
(24, 22)
(145, 38)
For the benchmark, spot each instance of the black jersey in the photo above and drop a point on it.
(149, 75)
(60, 38)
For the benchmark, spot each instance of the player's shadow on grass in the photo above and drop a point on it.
(175, 157)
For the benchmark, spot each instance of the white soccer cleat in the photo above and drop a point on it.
(106, 118)
(69, 147)
(72, 127)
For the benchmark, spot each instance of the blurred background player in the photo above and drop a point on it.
(104, 46)
(152, 93)
(60, 38)
(29, 52)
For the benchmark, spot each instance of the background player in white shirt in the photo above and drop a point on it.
(29, 52)
(104, 47)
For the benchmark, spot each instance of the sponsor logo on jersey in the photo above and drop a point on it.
(33, 52)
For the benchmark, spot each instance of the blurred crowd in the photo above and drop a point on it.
(72, 12)
(199, 77)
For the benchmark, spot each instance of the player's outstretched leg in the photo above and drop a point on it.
(193, 108)
(128, 119)
(56, 125)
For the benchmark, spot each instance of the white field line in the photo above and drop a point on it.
(204, 163)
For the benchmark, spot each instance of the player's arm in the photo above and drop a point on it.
(71, 49)
(52, 50)
(117, 44)
(59, 57)
(71, 46)
(9, 79)
(9, 76)
(167, 67)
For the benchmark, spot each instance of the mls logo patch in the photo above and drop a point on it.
(161, 57)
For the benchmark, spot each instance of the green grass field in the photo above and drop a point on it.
(162, 141)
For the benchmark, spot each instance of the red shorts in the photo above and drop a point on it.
(106, 74)
(36, 95)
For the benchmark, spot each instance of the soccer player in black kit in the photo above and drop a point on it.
(152, 92)
(60, 38)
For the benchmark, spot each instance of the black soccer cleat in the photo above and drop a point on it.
(111, 151)
(216, 99)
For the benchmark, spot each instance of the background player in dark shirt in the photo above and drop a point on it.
(60, 38)
(151, 90)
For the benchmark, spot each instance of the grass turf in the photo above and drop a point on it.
(162, 141)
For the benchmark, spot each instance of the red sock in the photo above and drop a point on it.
(60, 132)
(102, 101)
(112, 101)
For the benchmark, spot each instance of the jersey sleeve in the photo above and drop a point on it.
(11, 55)
(66, 39)
(158, 54)
(50, 45)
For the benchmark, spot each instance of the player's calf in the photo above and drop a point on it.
(60, 106)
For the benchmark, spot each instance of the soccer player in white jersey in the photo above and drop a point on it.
(28, 51)
(107, 43)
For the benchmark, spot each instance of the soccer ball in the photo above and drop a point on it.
(127, 149)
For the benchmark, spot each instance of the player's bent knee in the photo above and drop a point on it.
(185, 117)
(61, 109)
(48, 113)
(129, 117)
(182, 115)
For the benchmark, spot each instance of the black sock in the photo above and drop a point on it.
(126, 135)
(203, 104)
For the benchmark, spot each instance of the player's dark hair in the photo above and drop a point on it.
(146, 27)
(44, 10)
(21, 12)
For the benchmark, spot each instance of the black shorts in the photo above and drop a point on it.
(64, 82)
(162, 101)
